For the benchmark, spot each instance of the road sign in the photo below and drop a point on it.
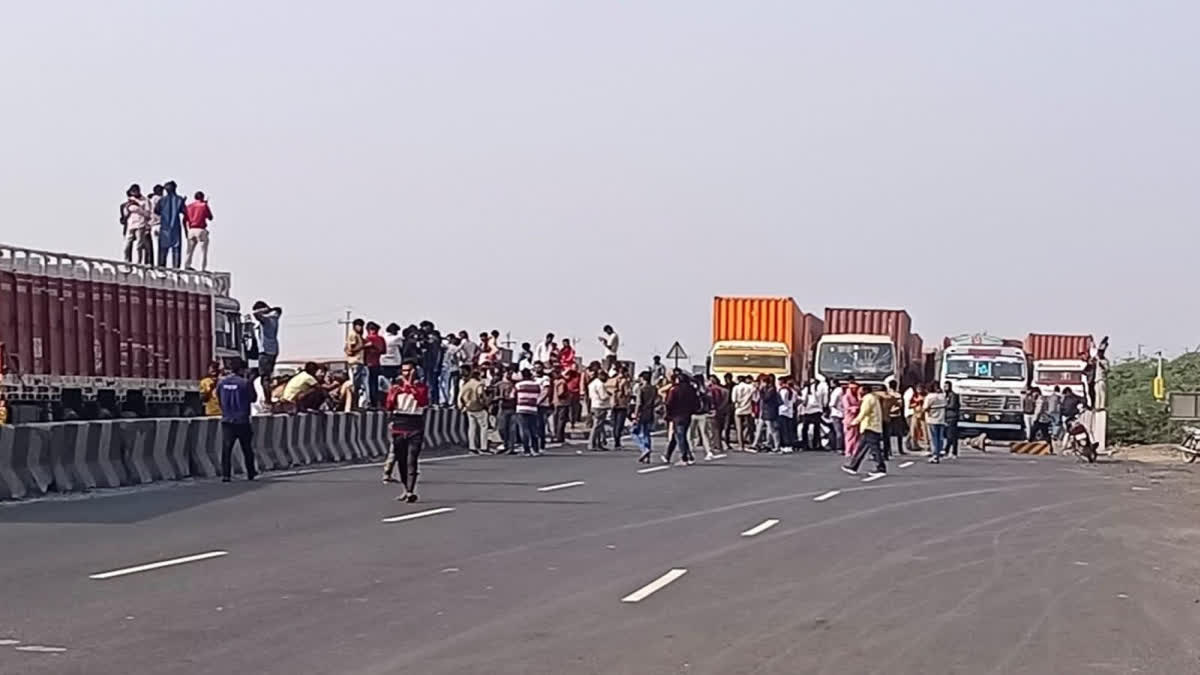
(677, 352)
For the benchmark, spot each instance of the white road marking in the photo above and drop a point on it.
(905, 465)
(720, 456)
(418, 514)
(654, 586)
(652, 469)
(1081, 563)
(874, 477)
(761, 527)
(41, 649)
(9, 643)
(828, 495)
(1122, 596)
(561, 486)
(156, 565)
(1139, 488)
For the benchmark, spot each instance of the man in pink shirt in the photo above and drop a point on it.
(198, 214)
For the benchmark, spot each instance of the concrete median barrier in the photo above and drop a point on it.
(270, 442)
(26, 465)
(88, 455)
(156, 450)
(445, 426)
(375, 435)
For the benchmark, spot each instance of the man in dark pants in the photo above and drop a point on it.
(406, 402)
(236, 394)
(953, 411)
(870, 428)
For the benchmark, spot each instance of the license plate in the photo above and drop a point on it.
(982, 418)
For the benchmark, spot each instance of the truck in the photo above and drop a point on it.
(761, 335)
(990, 374)
(87, 338)
(874, 346)
(1058, 360)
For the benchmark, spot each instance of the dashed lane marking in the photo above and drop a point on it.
(654, 586)
(874, 477)
(761, 527)
(905, 465)
(418, 514)
(828, 495)
(652, 469)
(41, 649)
(561, 486)
(158, 565)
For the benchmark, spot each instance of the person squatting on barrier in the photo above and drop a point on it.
(407, 400)
(236, 394)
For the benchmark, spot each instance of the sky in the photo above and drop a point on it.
(541, 166)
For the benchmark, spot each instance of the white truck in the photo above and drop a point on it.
(989, 374)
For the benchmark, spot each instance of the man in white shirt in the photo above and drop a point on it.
(812, 407)
(743, 410)
(543, 353)
(469, 349)
(389, 361)
(600, 400)
(787, 415)
(837, 414)
(611, 342)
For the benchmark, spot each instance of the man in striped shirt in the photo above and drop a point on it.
(528, 416)
(406, 402)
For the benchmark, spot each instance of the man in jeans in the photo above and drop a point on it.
(472, 400)
(355, 345)
(268, 346)
(236, 394)
(622, 395)
(643, 415)
(506, 412)
(870, 429)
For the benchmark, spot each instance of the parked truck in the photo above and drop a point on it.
(761, 335)
(990, 374)
(88, 338)
(1058, 360)
(874, 346)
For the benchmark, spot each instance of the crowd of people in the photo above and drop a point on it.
(155, 226)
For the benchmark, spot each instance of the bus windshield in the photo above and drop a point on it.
(867, 361)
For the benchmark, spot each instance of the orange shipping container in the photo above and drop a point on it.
(1041, 346)
(761, 319)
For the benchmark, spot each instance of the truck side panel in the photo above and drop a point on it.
(204, 334)
(54, 334)
(757, 319)
(160, 367)
(1043, 347)
(814, 328)
(70, 328)
(8, 314)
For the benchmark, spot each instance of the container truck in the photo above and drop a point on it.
(990, 374)
(761, 335)
(1058, 360)
(871, 345)
(88, 338)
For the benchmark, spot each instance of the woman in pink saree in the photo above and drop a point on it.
(851, 402)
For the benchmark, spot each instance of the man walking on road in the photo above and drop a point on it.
(812, 407)
(407, 400)
(721, 411)
(644, 410)
(870, 433)
(787, 415)
(682, 404)
(701, 429)
(600, 400)
(837, 417)
(528, 392)
(953, 411)
(935, 417)
(236, 395)
(622, 396)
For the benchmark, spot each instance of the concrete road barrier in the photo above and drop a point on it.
(26, 466)
(75, 456)
(88, 455)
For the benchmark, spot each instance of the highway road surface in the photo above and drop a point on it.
(583, 564)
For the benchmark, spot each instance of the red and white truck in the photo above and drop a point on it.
(1059, 360)
(89, 338)
(874, 346)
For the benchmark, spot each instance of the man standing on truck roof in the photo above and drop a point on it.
(198, 215)
(268, 344)
(135, 217)
(170, 234)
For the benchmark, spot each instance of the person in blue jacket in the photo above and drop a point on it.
(170, 235)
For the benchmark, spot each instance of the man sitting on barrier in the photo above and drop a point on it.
(303, 392)
(406, 403)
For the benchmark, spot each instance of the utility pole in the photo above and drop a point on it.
(346, 323)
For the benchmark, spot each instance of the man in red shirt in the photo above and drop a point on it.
(374, 347)
(198, 214)
(407, 400)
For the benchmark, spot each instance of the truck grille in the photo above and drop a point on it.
(991, 403)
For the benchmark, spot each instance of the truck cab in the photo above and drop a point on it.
(989, 377)
(869, 359)
(738, 358)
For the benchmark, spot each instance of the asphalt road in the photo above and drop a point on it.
(995, 564)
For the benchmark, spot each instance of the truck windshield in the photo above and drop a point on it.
(988, 369)
(866, 361)
(750, 362)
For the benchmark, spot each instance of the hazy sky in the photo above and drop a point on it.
(1016, 166)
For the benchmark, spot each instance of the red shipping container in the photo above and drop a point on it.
(173, 319)
(23, 351)
(183, 353)
(1042, 346)
(761, 319)
(124, 330)
(894, 323)
(110, 329)
(8, 311)
(95, 329)
(159, 365)
(814, 328)
(40, 324)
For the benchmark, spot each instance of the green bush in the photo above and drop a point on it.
(1133, 414)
